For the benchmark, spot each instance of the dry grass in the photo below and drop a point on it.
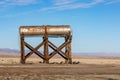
(82, 60)
(63, 77)
(90, 68)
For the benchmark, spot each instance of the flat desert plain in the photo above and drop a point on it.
(89, 68)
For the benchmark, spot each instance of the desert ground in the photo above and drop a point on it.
(89, 68)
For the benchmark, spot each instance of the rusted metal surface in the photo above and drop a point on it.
(42, 30)
(46, 32)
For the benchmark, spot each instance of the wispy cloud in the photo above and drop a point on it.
(16, 2)
(71, 4)
(18, 14)
(112, 1)
(52, 5)
(7, 5)
(63, 2)
(57, 4)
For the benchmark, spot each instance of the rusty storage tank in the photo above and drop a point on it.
(45, 29)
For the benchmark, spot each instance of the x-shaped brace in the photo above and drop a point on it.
(57, 49)
(34, 50)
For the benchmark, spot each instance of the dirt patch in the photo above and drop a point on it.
(60, 77)
(88, 69)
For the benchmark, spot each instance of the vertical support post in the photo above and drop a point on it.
(46, 55)
(22, 49)
(46, 46)
(66, 50)
(69, 53)
(69, 50)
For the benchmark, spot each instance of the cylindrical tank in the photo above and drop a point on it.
(60, 30)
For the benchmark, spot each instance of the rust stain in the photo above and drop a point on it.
(47, 31)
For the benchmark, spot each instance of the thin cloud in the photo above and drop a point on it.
(16, 2)
(63, 2)
(19, 14)
(112, 1)
(6, 5)
(71, 4)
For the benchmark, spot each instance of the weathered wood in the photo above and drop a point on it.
(58, 49)
(51, 44)
(65, 57)
(35, 51)
(45, 38)
(22, 50)
(70, 49)
(46, 32)
(30, 53)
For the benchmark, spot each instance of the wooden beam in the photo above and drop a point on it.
(30, 53)
(58, 49)
(65, 57)
(35, 51)
(50, 43)
(45, 38)
(22, 49)
(69, 49)
(46, 55)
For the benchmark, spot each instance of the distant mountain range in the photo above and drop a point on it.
(7, 51)
(99, 54)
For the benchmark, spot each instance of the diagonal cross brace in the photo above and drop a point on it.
(61, 53)
(36, 48)
(58, 49)
(58, 52)
(35, 51)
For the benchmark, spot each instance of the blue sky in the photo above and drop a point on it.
(95, 23)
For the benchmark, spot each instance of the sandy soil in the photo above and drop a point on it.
(89, 68)
(82, 60)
